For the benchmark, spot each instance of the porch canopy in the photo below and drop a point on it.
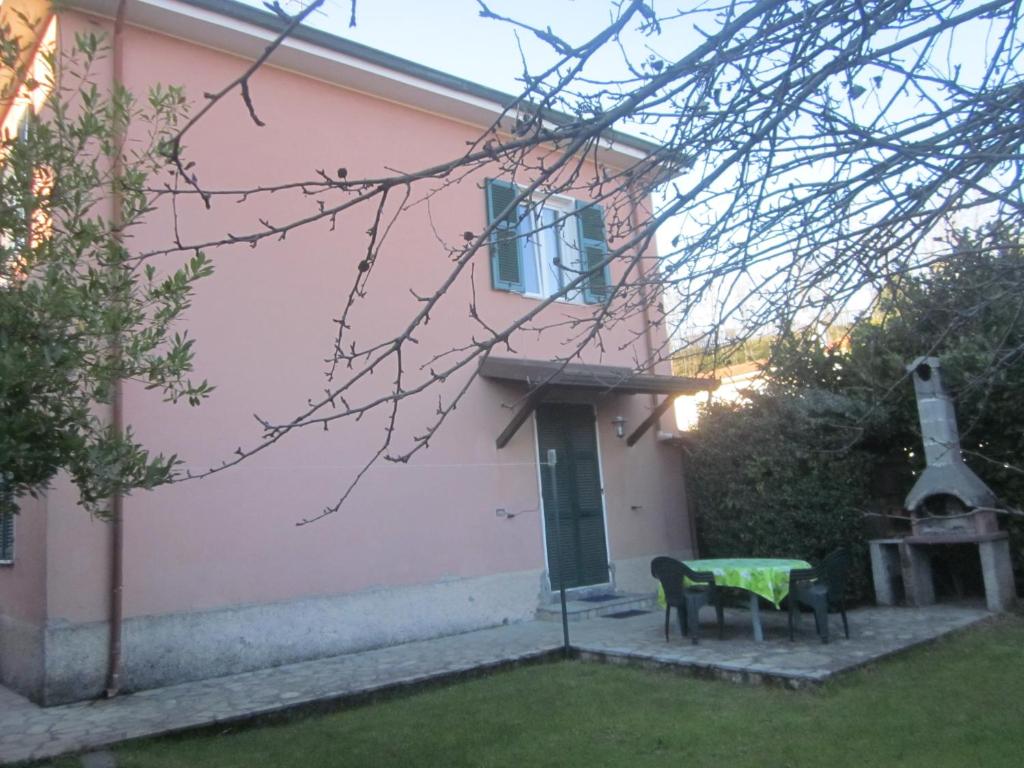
(545, 376)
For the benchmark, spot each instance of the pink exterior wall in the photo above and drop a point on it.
(263, 325)
(23, 584)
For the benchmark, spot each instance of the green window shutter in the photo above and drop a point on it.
(506, 245)
(593, 250)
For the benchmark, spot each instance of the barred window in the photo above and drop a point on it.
(6, 537)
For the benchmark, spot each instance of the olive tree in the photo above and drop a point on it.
(77, 315)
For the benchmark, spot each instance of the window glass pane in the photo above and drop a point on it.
(567, 243)
(570, 246)
(551, 258)
(550, 251)
(531, 277)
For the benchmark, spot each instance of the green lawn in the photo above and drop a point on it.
(959, 702)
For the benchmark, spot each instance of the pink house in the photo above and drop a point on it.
(218, 578)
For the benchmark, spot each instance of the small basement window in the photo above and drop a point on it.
(6, 538)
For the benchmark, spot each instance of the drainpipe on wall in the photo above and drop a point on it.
(117, 404)
(645, 303)
(649, 348)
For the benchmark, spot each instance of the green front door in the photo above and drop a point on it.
(569, 429)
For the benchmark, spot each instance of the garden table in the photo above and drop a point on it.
(765, 577)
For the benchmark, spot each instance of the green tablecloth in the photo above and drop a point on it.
(764, 576)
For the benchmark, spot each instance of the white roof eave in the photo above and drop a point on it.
(201, 23)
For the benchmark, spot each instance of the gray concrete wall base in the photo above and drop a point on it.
(634, 575)
(168, 649)
(626, 575)
(21, 657)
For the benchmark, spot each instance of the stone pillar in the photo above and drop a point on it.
(1000, 593)
(885, 569)
(917, 575)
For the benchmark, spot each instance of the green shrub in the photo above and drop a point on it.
(781, 477)
(967, 309)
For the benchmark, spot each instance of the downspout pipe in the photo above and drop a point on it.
(649, 349)
(645, 307)
(114, 657)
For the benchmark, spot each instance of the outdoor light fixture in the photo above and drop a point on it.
(620, 426)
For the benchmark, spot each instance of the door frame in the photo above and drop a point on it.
(540, 496)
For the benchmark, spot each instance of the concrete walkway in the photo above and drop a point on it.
(28, 732)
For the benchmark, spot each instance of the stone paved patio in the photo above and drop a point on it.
(874, 634)
(28, 732)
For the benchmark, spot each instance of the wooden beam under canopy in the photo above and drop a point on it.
(545, 375)
(529, 406)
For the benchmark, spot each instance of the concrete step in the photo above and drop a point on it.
(579, 609)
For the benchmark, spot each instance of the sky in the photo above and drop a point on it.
(451, 36)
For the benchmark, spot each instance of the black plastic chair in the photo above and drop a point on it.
(687, 599)
(822, 589)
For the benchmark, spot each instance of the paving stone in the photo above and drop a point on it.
(31, 732)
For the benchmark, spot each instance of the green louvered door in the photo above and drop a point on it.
(569, 429)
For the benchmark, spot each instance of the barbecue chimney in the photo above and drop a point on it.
(945, 475)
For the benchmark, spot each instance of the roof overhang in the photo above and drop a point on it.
(602, 378)
(246, 31)
(544, 376)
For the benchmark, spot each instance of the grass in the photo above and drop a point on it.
(954, 703)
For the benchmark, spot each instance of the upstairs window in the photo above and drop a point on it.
(16, 221)
(540, 248)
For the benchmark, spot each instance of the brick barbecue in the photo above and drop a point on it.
(948, 504)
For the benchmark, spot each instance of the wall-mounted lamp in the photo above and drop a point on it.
(619, 422)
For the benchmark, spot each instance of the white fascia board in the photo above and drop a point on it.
(220, 31)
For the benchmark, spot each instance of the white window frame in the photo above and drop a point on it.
(544, 243)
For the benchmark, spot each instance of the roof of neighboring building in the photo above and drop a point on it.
(748, 369)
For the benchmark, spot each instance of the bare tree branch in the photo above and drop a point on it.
(803, 154)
